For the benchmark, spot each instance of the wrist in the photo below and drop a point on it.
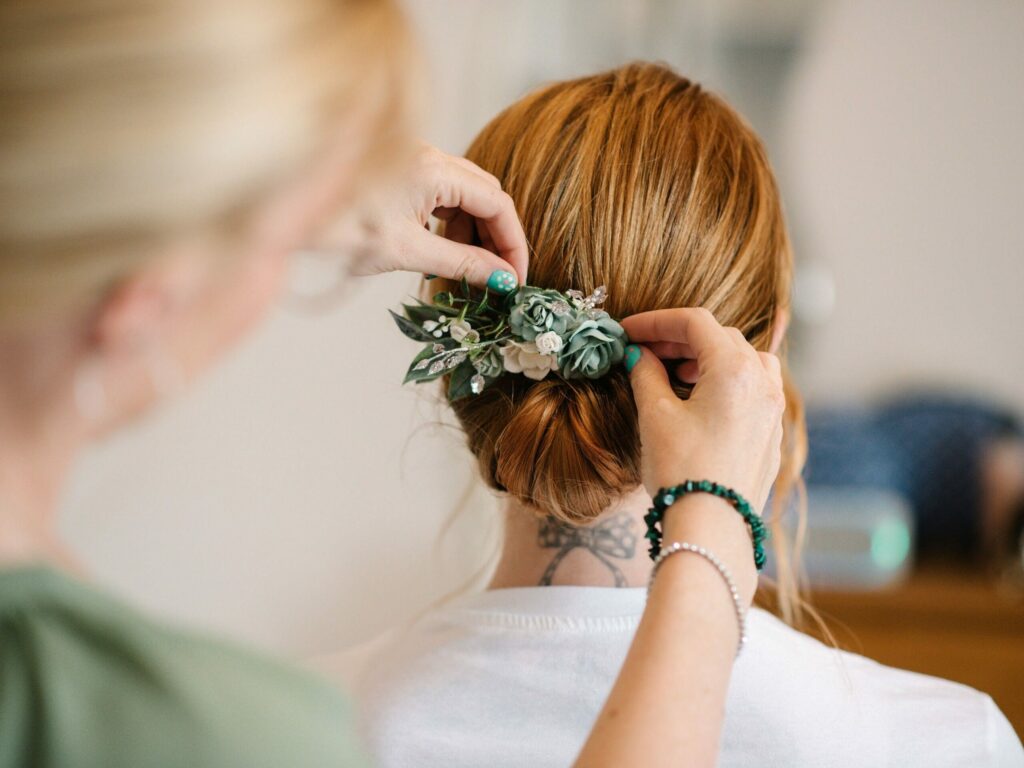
(710, 522)
(723, 477)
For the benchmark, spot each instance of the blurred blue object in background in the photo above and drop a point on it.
(935, 451)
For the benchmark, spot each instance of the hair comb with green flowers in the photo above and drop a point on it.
(479, 336)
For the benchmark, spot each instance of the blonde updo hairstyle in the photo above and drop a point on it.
(640, 180)
(130, 122)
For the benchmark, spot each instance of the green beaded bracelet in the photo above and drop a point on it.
(666, 497)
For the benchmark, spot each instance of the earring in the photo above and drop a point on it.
(90, 392)
(317, 281)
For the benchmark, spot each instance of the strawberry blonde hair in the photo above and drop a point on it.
(640, 180)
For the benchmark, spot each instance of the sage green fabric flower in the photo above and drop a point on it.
(592, 347)
(539, 310)
(490, 364)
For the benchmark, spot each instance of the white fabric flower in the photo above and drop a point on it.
(549, 343)
(524, 357)
(461, 330)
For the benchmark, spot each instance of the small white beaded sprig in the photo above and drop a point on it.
(684, 546)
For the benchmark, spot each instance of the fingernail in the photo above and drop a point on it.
(632, 357)
(429, 277)
(502, 281)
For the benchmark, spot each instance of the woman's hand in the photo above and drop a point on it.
(474, 207)
(672, 688)
(730, 429)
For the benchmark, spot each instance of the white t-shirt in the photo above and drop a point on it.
(516, 677)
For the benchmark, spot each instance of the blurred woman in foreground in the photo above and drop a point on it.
(158, 162)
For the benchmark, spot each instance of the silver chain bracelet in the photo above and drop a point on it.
(682, 546)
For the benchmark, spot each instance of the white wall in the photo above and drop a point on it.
(905, 170)
(283, 500)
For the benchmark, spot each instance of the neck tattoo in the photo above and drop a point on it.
(610, 538)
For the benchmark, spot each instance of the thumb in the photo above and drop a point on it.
(647, 376)
(439, 256)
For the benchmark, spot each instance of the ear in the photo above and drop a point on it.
(141, 308)
(779, 329)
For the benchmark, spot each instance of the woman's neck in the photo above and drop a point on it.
(28, 527)
(543, 551)
(35, 457)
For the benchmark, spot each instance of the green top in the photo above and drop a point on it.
(88, 681)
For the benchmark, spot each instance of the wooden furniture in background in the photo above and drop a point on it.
(951, 624)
